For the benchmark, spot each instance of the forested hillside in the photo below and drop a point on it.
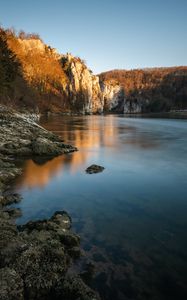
(31, 73)
(157, 89)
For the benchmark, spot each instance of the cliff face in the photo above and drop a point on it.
(132, 107)
(87, 93)
(113, 96)
(83, 89)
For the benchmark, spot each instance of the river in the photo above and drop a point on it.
(132, 217)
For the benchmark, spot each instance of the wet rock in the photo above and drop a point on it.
(62, 217)
(42, 266)
(87, 275)
(11, 285)
(75, 252)
(41, 253)
(94, 169)
(13, 212)
(9, 199)
(69, 239)
(42, 146)
(8, 174)
(59, 222)
(73, 288)
(11, 243)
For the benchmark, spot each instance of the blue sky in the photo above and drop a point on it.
(108, 34)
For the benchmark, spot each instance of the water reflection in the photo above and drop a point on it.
(89, 135)
(38, 174)
(132, 217)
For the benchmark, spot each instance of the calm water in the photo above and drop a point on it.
(132, 217)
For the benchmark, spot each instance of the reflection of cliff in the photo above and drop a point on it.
(40, 174)
(88, 134)
(92, 136)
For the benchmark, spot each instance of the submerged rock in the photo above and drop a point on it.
(73, 288)
(94, 169)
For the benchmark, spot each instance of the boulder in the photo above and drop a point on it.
(94, 169)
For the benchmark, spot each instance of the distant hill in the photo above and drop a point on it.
(155, 89)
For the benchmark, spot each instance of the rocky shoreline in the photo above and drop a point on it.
(34, 258)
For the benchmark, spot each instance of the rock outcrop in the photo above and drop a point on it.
(21, 136)
(87, 93)
(113, 96)
(84, 90)
(35, 258)
(132, 106)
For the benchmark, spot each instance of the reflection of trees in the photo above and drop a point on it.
(84, 132)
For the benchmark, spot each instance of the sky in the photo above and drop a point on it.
(107, 34)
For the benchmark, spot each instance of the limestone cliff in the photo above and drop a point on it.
(87, 93)
(131, 106)
(83, 89)
(113, 96)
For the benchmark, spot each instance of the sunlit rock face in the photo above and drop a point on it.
(86, 93)
(37, 45)
(84, 89)
(32, 44)
(113, 96)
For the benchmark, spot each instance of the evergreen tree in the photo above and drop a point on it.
(9, 66)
